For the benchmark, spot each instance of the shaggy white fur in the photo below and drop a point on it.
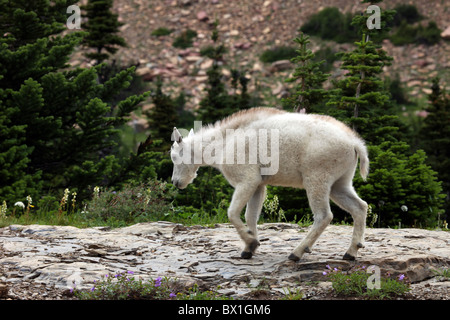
(317, 153)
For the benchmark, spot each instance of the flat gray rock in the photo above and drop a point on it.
(64, 256)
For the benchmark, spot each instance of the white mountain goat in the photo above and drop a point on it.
(273, 147)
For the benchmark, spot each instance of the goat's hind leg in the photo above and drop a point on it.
(320, 206)
(346, 198)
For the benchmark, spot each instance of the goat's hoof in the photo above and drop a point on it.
(253, 245)
(349, 257)
(293, 257)
(246, 255)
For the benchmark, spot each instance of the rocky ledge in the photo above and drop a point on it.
(36, 260)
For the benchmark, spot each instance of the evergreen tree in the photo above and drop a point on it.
(359, 23)
(211, 187)
(435, 136)
(162, 118)
(243, 100)
(309, 92)
(308, 97)
(398, 177)
(58, 124)
(217, 104)
(102, 26)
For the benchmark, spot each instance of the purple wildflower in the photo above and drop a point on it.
(324, 273)
(92, 289)
(130, 272)
(401, 277)
(172, 295)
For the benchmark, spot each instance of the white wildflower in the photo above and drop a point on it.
(96, 192)
(19, 204)
(3, 210)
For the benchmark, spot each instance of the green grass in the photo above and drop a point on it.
(355, 283)
(133, 204)
(443, 274)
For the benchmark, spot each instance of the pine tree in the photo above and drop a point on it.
(361, 98)
(217, 104)
(359, 23)
(398, 176)
(162, 118)
(58, 124)
(25, 54)
(435, 136)
(102, 26)
(243, 100)
(309, 92)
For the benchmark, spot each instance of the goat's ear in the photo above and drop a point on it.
(176, 135)
(191, 133)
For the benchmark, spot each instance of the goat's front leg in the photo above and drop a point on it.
(241, 196)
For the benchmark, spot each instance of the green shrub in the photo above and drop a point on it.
(406, 34)
(278, 53)
(396, 90)
(161, 32)
(184, 40)
(429, 35)
(209, 189)
(124, 286)
(401, 188)
(331, 24)
(406, 12)
(328, 55)
(132, 204)
(355, 283)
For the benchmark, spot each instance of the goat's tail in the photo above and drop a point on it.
(361, 151)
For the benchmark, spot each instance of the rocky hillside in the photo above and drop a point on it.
(248, 27)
